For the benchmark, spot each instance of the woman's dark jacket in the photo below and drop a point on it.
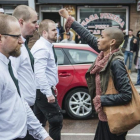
(115, 68)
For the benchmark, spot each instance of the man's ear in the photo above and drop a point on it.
(45, 33)
(0, 38)
(21, 21)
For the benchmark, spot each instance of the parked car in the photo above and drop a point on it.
(73, 62)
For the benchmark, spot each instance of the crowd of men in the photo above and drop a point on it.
(25, 102)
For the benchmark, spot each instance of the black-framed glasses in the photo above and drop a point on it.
(15, 36)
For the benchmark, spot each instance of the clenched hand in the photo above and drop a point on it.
(51, 99)
(48, 138)
(64, 13)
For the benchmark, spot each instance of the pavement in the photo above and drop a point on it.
(133, 77)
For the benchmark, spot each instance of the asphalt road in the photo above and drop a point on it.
(85, 129)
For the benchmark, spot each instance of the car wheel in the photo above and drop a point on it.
(78, 104)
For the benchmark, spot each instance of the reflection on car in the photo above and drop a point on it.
(73, 62)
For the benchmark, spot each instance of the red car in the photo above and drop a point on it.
(73, 62)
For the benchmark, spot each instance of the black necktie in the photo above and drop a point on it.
(13, 77)
(30, 55)
(54, 54)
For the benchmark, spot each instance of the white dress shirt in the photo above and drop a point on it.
(46, 71)
(26, 76)
(15, 114)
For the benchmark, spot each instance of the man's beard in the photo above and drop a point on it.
(16, 52)
(54, 39)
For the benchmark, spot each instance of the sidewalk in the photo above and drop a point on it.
(134, 79)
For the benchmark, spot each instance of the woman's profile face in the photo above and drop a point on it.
(104, 42)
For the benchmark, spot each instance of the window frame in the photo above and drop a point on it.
(66, 60)
(71, 59)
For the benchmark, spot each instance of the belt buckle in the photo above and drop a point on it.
(55, 90)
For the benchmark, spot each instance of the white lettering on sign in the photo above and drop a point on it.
(91, 18)
(110, 16)
(98, 26)
(101, 26)
(96, 32)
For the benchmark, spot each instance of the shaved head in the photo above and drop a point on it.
(115, 33)
(5, 20)
(23, 12)
(44, 25)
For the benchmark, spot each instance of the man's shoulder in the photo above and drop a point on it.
(39, 47)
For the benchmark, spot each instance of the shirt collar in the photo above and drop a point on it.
(46, 41)
(23, 39)
(4, 59)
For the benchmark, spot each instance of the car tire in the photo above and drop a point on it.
(78, 104)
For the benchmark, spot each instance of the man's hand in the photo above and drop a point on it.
(64, 13)
(135, 41)
(48, 138)
(51, 99)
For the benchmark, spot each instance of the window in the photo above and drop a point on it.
(81, 56)
(96, 19)
(61, 58)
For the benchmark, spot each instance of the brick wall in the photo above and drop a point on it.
(134, 18)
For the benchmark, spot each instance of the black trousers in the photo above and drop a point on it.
(50, 112)
(103, 133)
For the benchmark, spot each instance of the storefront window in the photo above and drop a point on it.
(97, 19)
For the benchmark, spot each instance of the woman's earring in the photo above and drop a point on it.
(110, 49)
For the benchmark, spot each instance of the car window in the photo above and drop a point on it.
(61, 58)
(81, 56)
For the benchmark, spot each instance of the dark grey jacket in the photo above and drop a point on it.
(85, 35)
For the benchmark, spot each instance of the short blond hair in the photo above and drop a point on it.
(23, 12)
(44, 25)
(5, 20)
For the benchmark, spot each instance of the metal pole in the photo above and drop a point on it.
(31, 3)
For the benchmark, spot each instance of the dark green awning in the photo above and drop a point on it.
(86, 2)
(14, 2)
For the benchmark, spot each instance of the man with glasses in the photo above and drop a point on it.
(15, 114)
(24, 64)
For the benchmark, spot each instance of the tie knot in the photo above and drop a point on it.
(25, 43)
(9, 64)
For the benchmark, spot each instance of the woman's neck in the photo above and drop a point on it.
(106, 52)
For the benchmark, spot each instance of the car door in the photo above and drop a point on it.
(81, 61)
(65, 74)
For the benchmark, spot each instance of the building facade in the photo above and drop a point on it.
(94, 15)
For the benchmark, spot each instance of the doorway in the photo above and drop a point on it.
(52, 16)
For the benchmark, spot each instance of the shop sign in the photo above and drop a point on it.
(138, 6)
(101, 24)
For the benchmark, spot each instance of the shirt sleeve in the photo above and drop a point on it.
(33, 125)
(41, 56)
(0, 91)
